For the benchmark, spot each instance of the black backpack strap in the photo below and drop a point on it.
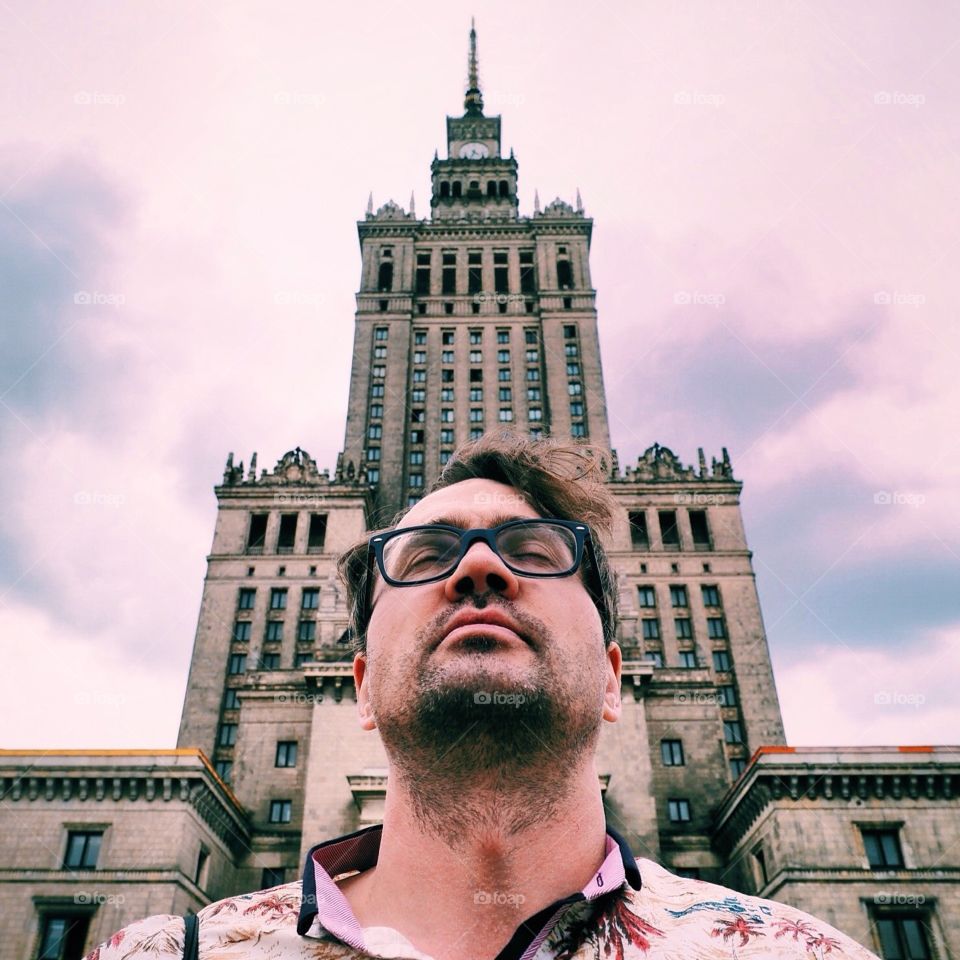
(191, 937)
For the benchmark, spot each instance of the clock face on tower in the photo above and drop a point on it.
(474, 151)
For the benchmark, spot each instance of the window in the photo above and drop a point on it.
(317, 534)
(474, 271)
(83, 849)
(302, 657)
(306, 631)
(476, 356)
(446, 356)
(646, 596)
(578, 430)
(476, 336)
(505, 395)
(573, 369)
(716, 628)
(533, 375)
(503, 375)
(737, 766)
(247, 598)
(270, 661)
(418, 416)
(380, 333)
(476, 375)
(237, 664)
(379, 370)
(445, 455)
(506, 414)
(373, 453)
(200, 873)
(721, 661)
(286, 753)
(416, 457)
(530, 336)
(669, 532)
(688, 659)
(533, 393)
(446, 415)
(711, 595)
(536, 433)
(419, 376)
(224, 770)
(476, 415)
(446, 395)
(448, 276)
(476, 395)
(419, 337)
(373, 476)
(416, 436)
(684, 628)
(375, 431)
(274, 632)
(280, 811)
(278, 598)
(527, 279)
(376, 390)
(416, 480)
(576, 409)
(571, 350)
(575, 389)
(671, 752)
(651, 629)
(287, 534)
(533, 356)
(418, 396)
(231, 700)
(380, 353)
(272, 877)
(732, 732)
(569, 331)
(639, 538)
(655, 657)
(903, 936)
(883, 847)
(678, 596)
(503, 336)
(446, 337)
(258, 533)
(419, 356)
(503, 356)
(760, 862)
(241, 631)
(500, 272)
(423, 274)
(534, 413)
(678, 811)
(476, 433)
(446, 436)
(699, 530)
(310, 598)
(63, 935)
(228, 735)
(727, 695)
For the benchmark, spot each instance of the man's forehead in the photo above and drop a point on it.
(472, 502)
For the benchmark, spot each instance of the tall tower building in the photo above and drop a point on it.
(474, 319)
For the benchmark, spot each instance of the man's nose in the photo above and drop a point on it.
(481, 570)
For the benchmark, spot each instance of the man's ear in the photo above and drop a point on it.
(611, 694)
(367, 721)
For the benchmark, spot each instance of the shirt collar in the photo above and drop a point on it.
(324, 902)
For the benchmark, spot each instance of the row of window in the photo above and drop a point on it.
(286, 532)
(309, 598)
(669, 530)
(683, 628)
(268, 660)
(688, 659)
(710, 593)
(273, 633)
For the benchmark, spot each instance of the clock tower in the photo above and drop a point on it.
(474, 181)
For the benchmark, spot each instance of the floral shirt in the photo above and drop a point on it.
(627, 911)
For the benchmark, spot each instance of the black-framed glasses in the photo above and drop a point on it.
(545, 547)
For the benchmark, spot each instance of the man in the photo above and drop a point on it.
(485, 623)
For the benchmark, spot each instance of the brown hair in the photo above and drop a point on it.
(557, 479)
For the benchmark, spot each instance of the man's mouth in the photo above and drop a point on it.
(482, 629)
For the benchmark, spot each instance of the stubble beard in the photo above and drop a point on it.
(481, 753)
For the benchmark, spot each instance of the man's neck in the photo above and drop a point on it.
(465, 899)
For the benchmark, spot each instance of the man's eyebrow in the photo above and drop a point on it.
(464, 523)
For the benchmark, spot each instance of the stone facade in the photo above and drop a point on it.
(475, 319)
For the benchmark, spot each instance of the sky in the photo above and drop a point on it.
(774, 190)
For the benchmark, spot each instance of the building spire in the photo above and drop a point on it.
(473, 103)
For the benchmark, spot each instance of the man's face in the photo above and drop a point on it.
(485, 650)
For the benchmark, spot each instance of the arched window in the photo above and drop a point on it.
(457, 188)
(385, 280)
(491, 188)
(564, 275)
(504, 188)
(445, 188)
